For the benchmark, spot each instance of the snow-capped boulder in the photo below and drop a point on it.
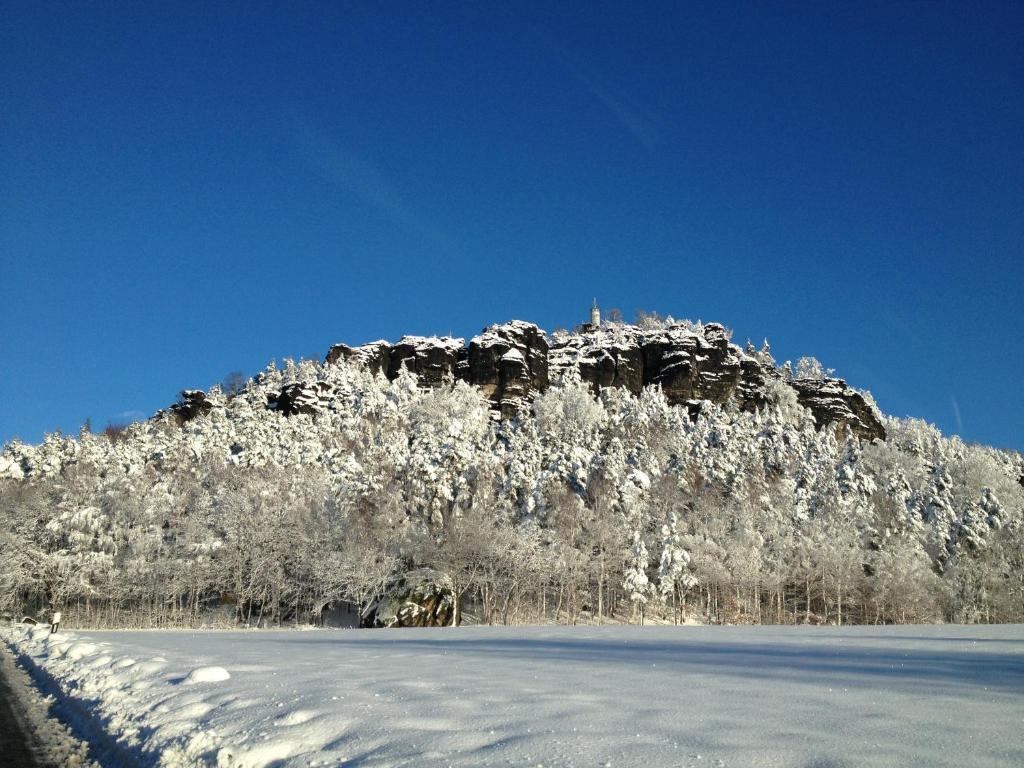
(206, 675)
(420, 598)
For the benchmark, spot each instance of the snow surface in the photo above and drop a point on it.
(565, 696)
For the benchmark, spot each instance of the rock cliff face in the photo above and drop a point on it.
(434, 359)
(513, 362)
(509, 363)
(376, 355)
(302, 398)
(833, 402)
(689, 364)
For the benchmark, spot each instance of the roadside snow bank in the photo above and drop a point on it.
(132, 712)
(51, 741)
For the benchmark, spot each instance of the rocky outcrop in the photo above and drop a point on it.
(513, 362)
(434, 359)
(192, 403)
(419, 598)
(303, 398)
(376, 355)
(510, 364)
(689, 363)
(604, 358)
(694, 366)
(750, 391)
(833, 402)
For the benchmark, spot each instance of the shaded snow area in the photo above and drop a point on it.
(30, 735)
(565, 696)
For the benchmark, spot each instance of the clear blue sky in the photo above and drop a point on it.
(191, 190)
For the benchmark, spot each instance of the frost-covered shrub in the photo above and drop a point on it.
(811, 368)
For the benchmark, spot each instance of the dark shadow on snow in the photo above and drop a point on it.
(914, 668)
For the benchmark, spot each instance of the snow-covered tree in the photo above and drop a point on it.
(674, 576)
(635, 581)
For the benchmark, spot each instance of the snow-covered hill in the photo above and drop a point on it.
(611, 473)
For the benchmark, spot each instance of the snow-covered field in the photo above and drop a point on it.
(566, 696)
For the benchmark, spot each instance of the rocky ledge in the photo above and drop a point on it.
(833, 402)
(513, 362)
(689, 363)
(508, 362)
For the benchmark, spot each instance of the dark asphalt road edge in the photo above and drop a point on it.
(46, 741)
(19, 743)
(72, 732)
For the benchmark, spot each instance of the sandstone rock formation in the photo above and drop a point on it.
(513, 362)
(509, 363)
(419, 598)
(833, 402)
(689, 364)
(376, 355)
(302, 398)
(604, 358)
(434, 359)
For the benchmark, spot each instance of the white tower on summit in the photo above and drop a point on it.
(595, 315)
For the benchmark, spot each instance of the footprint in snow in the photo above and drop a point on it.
(298, 717)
